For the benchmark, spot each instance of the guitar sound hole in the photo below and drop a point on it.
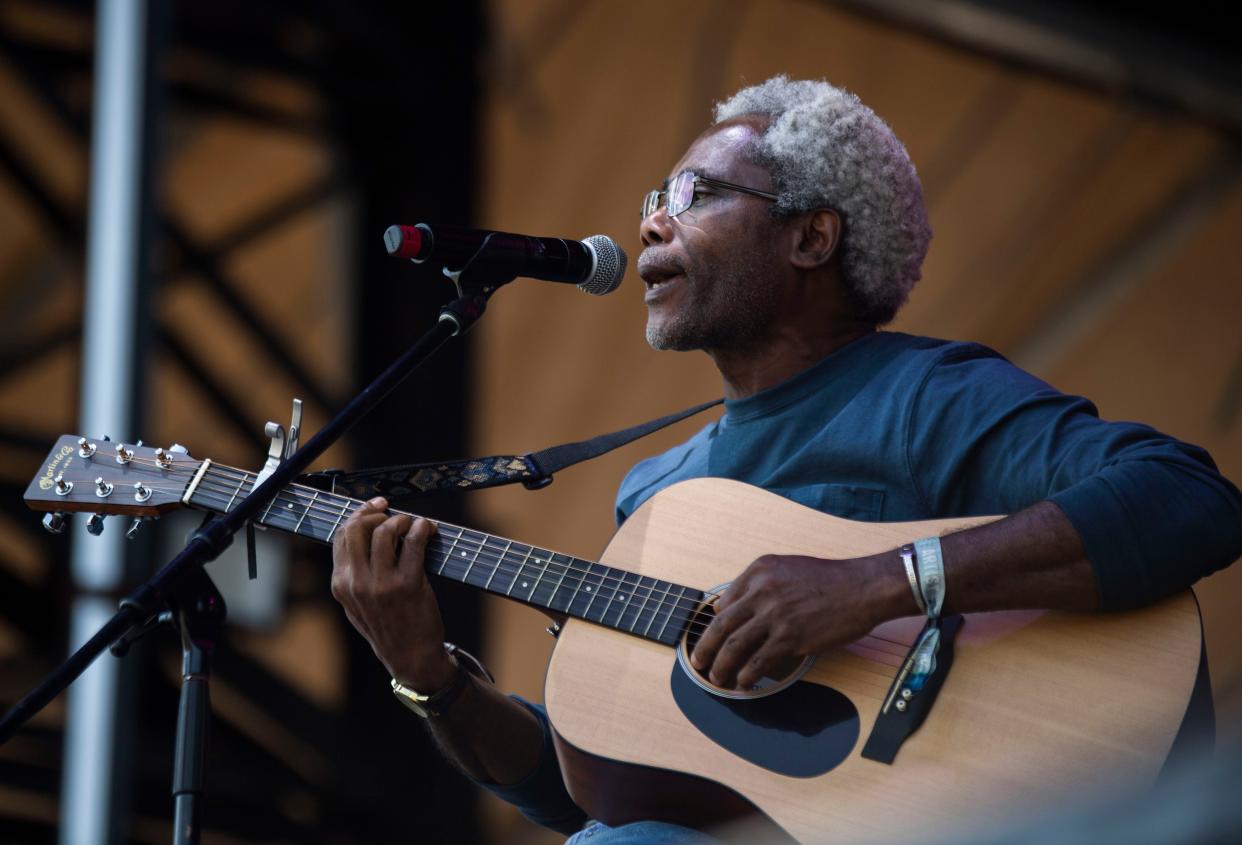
(782, 677)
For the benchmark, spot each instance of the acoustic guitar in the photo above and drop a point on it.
(1038, 707)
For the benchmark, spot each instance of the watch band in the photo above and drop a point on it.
(439, 702)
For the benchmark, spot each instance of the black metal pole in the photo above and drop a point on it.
(200, 613)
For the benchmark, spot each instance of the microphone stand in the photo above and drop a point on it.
(182, 585)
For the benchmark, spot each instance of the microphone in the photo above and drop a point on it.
(596, 265)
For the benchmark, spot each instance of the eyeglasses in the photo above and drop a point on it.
(680, 193)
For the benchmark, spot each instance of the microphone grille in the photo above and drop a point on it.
(610, 264)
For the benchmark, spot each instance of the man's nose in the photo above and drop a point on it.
(656, 228)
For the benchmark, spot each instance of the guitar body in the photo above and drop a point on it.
(1038, 707)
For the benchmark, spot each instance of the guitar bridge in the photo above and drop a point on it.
(904, 707)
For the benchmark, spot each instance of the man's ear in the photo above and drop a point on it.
(816, 240)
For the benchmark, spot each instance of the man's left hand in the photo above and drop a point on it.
(784, 607)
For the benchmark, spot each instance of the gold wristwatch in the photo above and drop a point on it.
(438, 703)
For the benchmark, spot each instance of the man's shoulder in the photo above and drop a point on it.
(912, 360)
(650, 473)
(936, 350)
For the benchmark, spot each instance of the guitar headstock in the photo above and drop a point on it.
(84, 474)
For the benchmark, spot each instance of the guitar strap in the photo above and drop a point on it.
(404, 483)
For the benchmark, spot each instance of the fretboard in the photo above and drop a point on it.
(636, 604)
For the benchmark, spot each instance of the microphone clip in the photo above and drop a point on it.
(475, 281)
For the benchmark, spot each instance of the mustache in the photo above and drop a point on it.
(652, 261)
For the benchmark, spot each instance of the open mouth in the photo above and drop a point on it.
(658, 285)
(657, 282)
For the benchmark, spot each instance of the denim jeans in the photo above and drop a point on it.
(640, 833)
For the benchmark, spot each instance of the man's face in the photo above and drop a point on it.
(712, 272)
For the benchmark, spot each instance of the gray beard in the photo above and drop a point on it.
(737, 316)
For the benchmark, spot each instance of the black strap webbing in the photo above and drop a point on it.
(400, 484)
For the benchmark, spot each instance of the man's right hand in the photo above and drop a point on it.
(378, 577)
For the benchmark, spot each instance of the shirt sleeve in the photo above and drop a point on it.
(1154, 514)
(541, 796)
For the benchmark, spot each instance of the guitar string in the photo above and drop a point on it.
(334, 515)
(507, 563)
(515, 564)
(291, 495)
(457, 556)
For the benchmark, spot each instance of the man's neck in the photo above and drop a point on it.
(748, 371)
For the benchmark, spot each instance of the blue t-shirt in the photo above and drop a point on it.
(894, 427)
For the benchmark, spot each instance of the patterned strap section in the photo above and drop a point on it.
(402, 484)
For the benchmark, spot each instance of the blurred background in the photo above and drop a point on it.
(1081, 163)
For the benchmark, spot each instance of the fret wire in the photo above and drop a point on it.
(496, 568)
(569, 606)
(586, 614)
(298, 527)
(233, 498)
(466, 578)
(542, 571)
(529, 552)
(448, 553)
(559, 581)
(604, 616)
(644, 606)
(631, 596)
(660, 604)
(676, 605)
(337, 524)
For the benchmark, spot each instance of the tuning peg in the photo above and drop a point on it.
(95, 525)
(177, 448)
(86, 449)
(54, 523)
(132, 531)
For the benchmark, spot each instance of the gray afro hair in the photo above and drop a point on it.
(825, 149)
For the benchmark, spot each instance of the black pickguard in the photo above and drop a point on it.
(802, 731)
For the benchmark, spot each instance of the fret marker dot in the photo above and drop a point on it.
(463, 554)
(524, 584)
(588, 589)
(623, 598)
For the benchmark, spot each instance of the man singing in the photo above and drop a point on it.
(786, 236)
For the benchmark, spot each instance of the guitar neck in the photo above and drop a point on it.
(639, 605)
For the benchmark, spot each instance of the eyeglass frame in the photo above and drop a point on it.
(652, 198)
